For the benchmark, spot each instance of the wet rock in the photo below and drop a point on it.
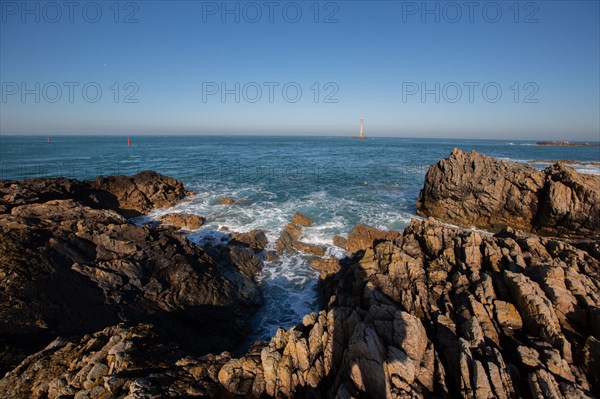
(339, 241)
(226, 201)
(183, 221)
(476, 190)
(302, 220)
(128, 195)
(313, 249)
(255, 239)
(271, 256)
(291, 234)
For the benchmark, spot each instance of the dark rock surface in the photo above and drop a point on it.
(476, 190)
(67, 268)
(138, 194)
(129, 195)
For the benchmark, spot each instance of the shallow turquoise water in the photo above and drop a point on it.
(336, 181)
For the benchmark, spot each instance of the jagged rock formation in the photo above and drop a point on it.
(434, 311)
(441, 312)
(476, 190)
(363, 237)
(255, 239)
(288, 239)
(438, 312)
(128, 195)
(67, 268)
(117, 362)
(138, 194)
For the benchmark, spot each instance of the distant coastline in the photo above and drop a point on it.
(565, 161)
(566, 144)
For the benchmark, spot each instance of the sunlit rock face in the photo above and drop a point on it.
(472, 189)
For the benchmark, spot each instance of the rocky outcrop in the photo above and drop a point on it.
(312, 249)
(292, 232)
(67, 268)
(569, 204)
(363, 237)
(128, 195)
(434, 311)
(340, 241)
(183, 220)
(226, 201)
(476, 190)
(255, 239)
(117, 362)
(441, 312)
(137, 194)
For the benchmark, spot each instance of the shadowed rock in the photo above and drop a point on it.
(67, 268)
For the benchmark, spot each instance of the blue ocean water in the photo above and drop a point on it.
(337, 181)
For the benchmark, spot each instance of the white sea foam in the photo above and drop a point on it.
(289, 290)
(289, 284)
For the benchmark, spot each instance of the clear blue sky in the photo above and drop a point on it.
(377, 55)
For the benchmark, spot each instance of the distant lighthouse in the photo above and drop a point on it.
(361, 132)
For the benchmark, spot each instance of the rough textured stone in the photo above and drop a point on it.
(288, 239)
(313, 249)
(434, 311)
(67, 268)
(183, 221)
(302, 220)
(255, 239)
(476, 190)
(363, 237)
